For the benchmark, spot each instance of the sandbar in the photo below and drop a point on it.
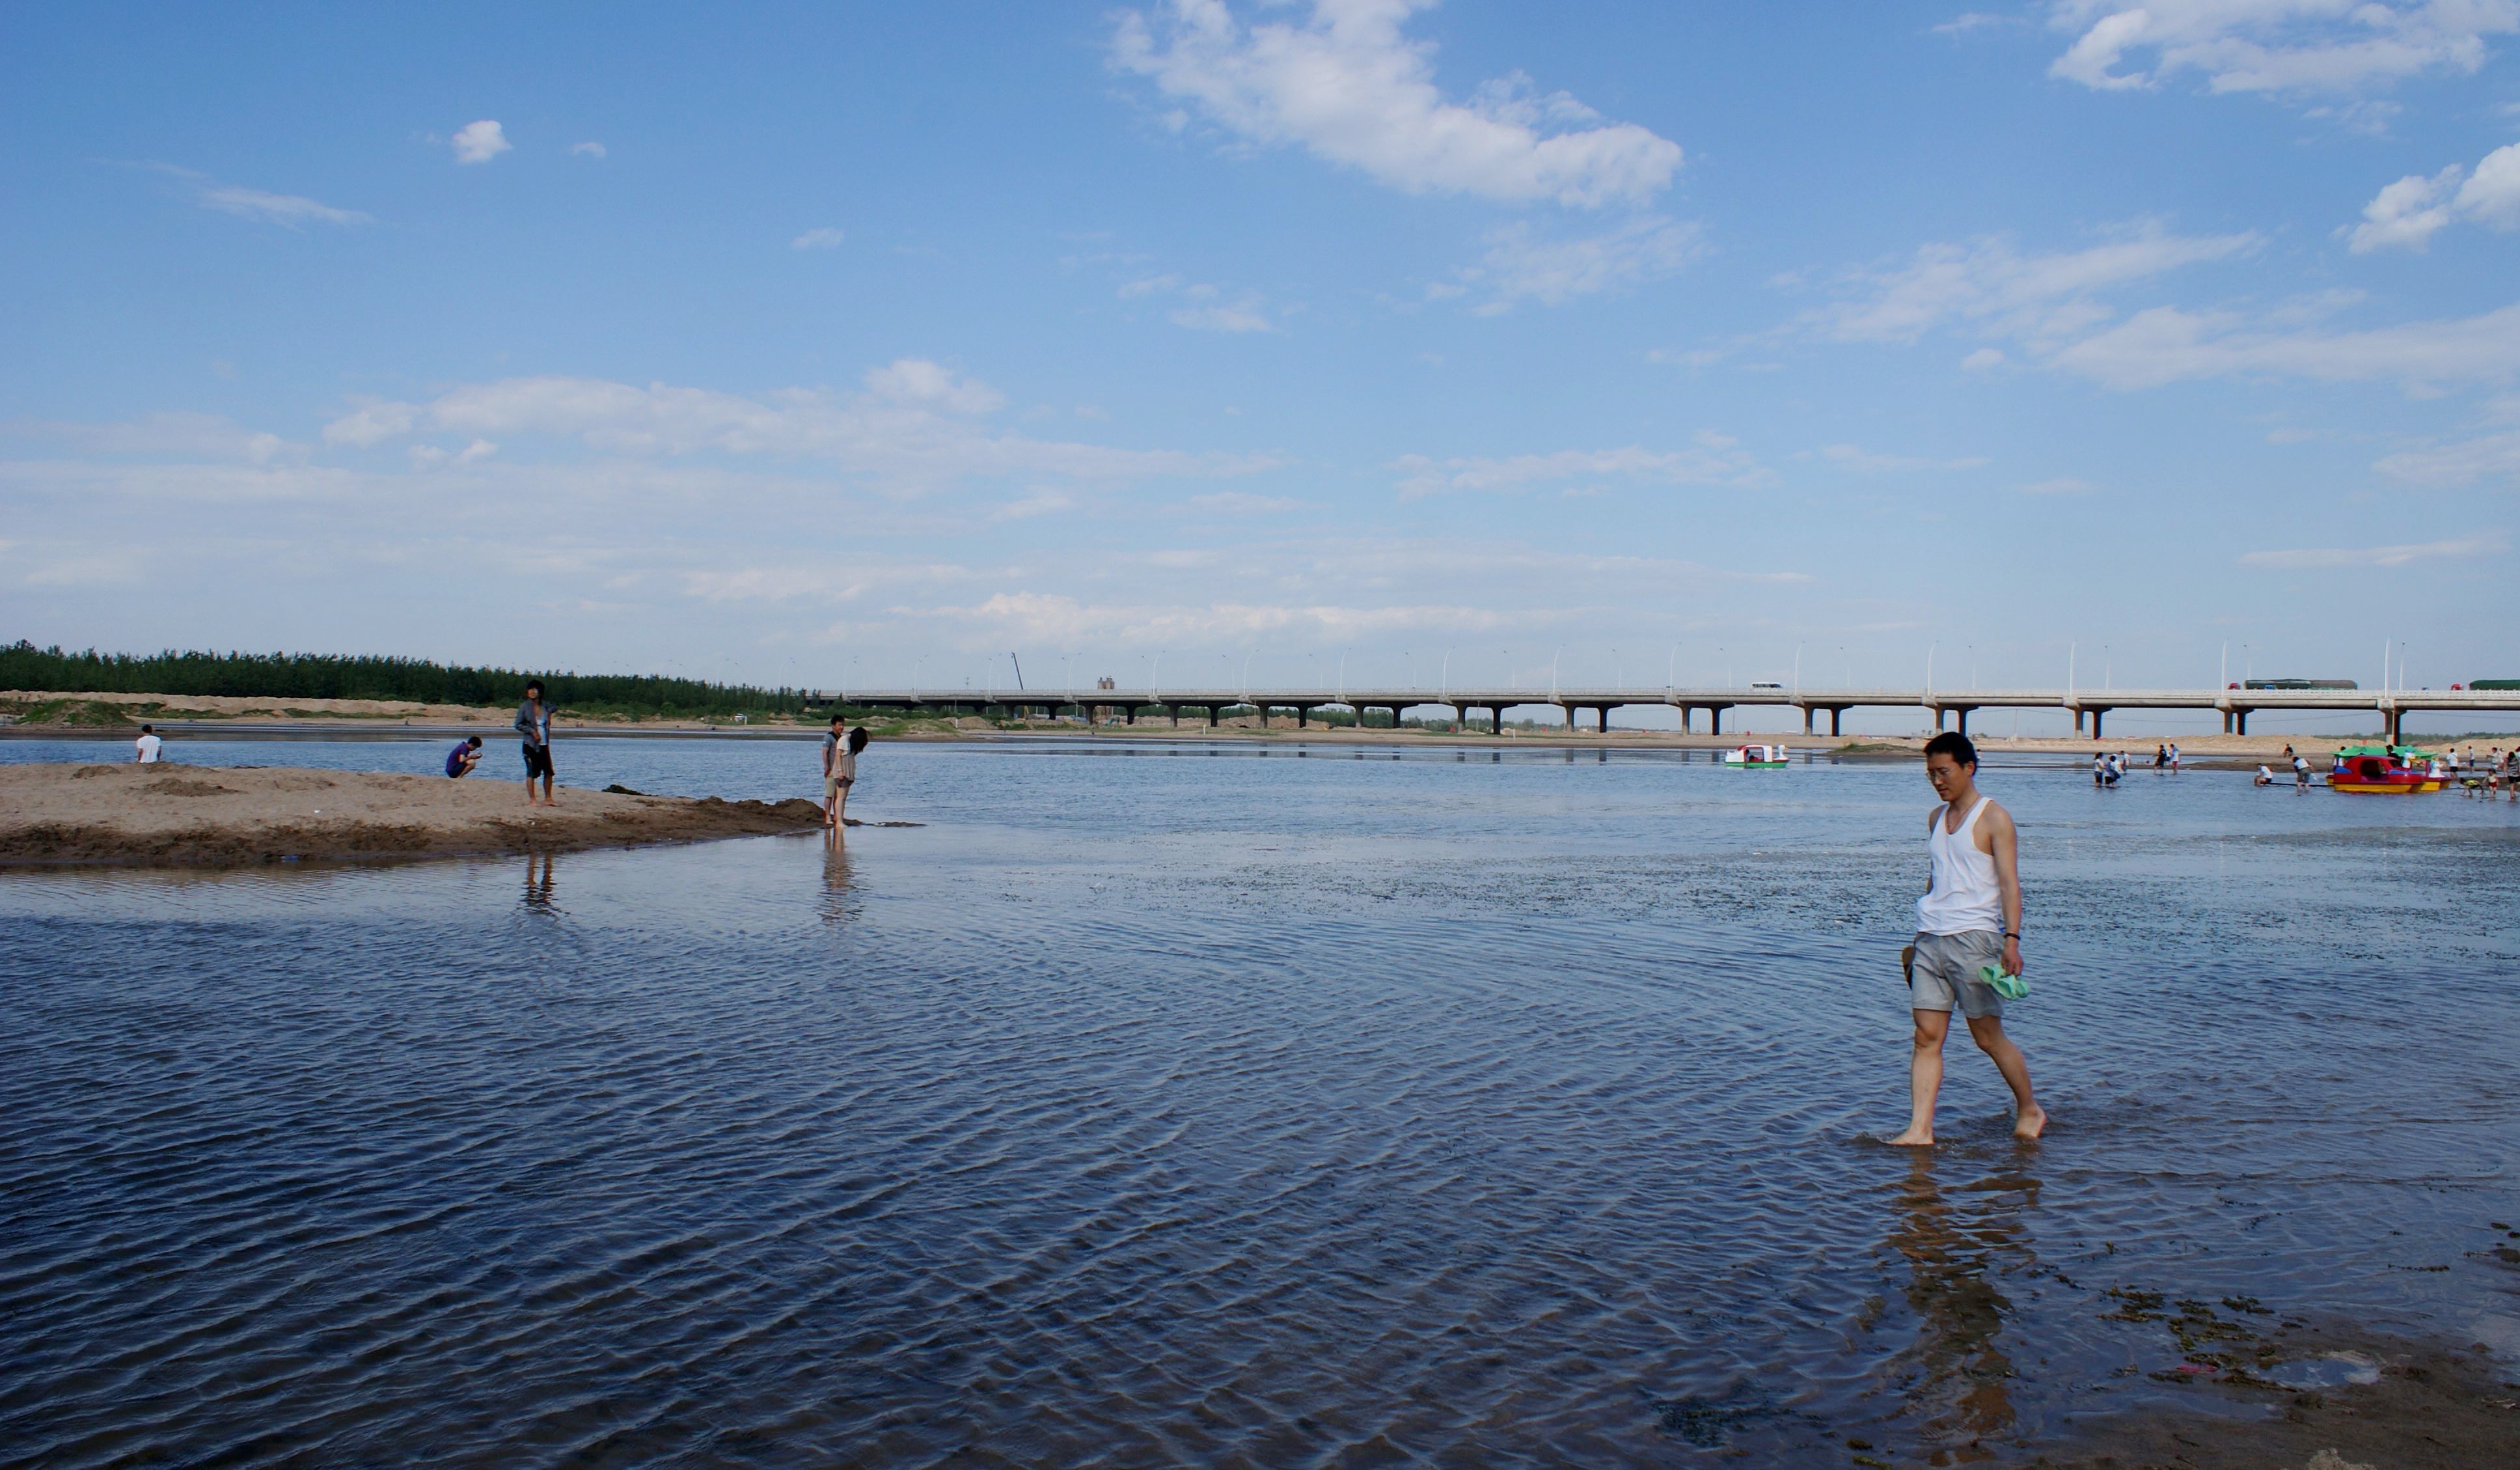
(171, 816)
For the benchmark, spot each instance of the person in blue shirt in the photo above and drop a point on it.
(465, 755)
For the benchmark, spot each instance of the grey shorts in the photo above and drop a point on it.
(1947, 971)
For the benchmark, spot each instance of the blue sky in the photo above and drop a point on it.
(858, 343)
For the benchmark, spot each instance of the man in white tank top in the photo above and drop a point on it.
(1969, 916)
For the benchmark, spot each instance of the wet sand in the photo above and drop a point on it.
(2425, 1407)
(175, 816)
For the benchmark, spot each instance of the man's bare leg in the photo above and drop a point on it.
(1925, 1078)
(547, 792)
(2029, 1119)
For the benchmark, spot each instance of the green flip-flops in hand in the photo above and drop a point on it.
(2010, 987)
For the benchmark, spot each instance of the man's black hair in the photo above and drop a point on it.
(1954, 744)
(836, 719)
(533, 686)
(475, 741)
(146, 729)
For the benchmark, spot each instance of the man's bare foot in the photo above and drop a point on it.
(2030, 1125)
(1912, 1138)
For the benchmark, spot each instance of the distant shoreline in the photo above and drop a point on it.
(236, 717)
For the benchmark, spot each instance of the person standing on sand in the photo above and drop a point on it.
(533, 722)
(839, 771)
(1969, 916)
(148, 745)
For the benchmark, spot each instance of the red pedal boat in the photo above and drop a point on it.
(2383, 769)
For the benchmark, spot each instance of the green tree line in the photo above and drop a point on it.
(285, 676)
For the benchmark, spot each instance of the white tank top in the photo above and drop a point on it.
(1965, 896)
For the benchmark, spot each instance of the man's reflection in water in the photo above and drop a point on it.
(538, 882)
(1960, 1388)
(839, 903)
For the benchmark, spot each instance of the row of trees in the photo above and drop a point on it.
(286, 677)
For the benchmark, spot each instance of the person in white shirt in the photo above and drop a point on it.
(1968, 921)
(148, 745)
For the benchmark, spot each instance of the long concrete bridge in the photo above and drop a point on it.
(2091, 706)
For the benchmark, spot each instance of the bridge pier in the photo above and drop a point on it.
(2240, 721)
(1808, 714)
(1964, 715)
(1496, 720)
(1570, 718)
(1834, 710)
(1715, 720)
(2096, 722)
(2397, 725)
(1604, 712)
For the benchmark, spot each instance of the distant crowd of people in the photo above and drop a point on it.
(2108, 770)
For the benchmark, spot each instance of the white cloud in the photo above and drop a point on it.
(1990, 286)
(1056, 619)
(1520, 266)
(2406, 212)
(586, 150)
(1964, 24)
(1984, 359)
(2051, 305)
(1246, 315)
(2490, 456)
(2411, 210)
(1867, 462)
(1347, 85)
(1241, 503)
(827, 236)
(2274, 46)
(290, 211)
(1206, 311)
(480, 142)
(2166, 345)
(2379, 556)
(1038, 503)
(917, 381)
(197, 435)
(1715, 460)
(912, 425)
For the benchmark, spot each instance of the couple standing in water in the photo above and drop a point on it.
(1968, 925)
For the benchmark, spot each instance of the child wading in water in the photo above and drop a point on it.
(1969, 916)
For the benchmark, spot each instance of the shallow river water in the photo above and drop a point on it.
(1202, 1104)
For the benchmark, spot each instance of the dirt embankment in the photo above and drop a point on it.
(167, 815)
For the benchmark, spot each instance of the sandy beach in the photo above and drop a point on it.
(171, 815)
